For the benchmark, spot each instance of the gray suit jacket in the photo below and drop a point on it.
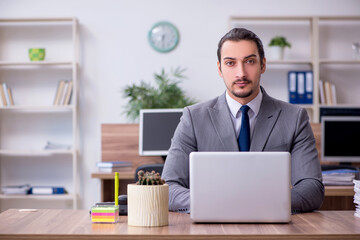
(279, 126)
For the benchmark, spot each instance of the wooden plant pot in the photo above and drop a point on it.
(148, 206)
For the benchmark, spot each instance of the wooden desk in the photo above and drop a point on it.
(76, 224)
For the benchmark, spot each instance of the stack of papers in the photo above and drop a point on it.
(15, 190)
(109, 167)
(339, 177)
(357, 197)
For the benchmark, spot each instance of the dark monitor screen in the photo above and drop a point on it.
(340, 139)
(157, 127)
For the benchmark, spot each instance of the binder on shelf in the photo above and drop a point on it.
(47, 190)
(309, 84)
(300, 77)
(292, 87)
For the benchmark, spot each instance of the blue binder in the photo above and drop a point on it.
(292, 87)
(309, 86)
(300, 77)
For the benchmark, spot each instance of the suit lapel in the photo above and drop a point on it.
(265, 122)
(219, 115)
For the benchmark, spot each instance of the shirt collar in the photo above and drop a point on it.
(254, 104)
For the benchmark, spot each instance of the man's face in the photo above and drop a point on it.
(241, 69)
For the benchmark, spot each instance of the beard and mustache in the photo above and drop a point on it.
(242, 94)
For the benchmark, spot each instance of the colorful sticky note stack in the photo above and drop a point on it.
(105, 214)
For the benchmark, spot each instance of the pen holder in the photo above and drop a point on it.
(148, 205)
(105, 214)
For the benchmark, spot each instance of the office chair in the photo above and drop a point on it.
(157, 167)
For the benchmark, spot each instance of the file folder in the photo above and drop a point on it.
(292, 87)
(309, 85)
(300, 87)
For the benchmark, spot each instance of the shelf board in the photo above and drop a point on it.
(16, 152)
(59, 108)
(38, 197)
(339, 191)
(26, 20)
(122, 175)
(350, 105)
(36, 63)
(330, 61)
(306, 106)
(289, 62)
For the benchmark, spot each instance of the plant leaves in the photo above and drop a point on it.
(167, 94)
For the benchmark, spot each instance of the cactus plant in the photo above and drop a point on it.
(149, 178)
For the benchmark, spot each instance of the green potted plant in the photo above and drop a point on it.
(277, 45)
(167, 94)
(148, 201)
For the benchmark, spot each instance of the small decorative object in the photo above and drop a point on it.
(107, 213)
(167, 95)
(356, 50)
(148, 201)
(277, 46)
(37, 54)
(163, 37)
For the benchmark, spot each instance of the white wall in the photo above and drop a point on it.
(115, 51)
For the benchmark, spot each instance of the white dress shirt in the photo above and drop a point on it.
(235, 106)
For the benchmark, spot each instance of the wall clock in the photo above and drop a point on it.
(163, 37)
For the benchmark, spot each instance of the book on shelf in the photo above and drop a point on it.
(59, 92)
(2, 93)
(16, 190)
(10, 97)
(68, 93)
(115, 164)
(6, 92)
(327, 92)
(321, 92)
(46, 190)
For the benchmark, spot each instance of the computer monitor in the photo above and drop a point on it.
(157, 127)
(340, 138)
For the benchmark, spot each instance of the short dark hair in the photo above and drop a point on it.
(238, 34)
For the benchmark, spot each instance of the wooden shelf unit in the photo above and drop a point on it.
(313, 26)
(14, 62)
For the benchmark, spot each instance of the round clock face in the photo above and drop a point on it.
(163, 37)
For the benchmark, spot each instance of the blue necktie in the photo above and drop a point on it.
(244, 136)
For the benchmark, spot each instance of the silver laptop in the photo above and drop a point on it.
(240, 187)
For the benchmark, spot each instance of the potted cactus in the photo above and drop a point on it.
(148, 201)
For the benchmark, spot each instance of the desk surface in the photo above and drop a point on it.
(76, 224)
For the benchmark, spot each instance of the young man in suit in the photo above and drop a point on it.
(270, 125)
